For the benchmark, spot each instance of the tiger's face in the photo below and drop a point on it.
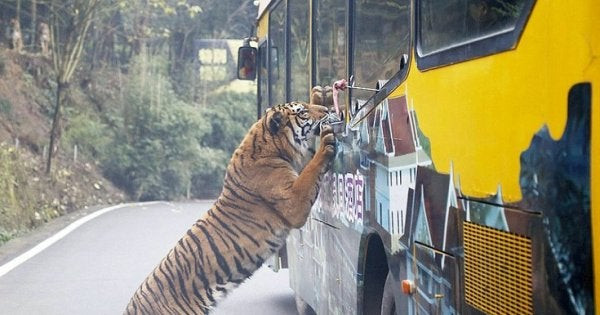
(298, 122)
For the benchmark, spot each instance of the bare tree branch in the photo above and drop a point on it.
(68, 30)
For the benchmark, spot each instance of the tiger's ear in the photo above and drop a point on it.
(275, 122)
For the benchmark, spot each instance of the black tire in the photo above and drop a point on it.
(303, 307)
(388, 305)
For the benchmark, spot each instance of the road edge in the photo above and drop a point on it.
(20, 259)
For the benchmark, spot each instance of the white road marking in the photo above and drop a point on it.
(4, 269)
(175, 208)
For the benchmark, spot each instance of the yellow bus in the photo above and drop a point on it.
(464, 180)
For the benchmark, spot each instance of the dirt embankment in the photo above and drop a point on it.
(28, 196)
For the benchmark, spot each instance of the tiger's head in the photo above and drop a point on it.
(296, 123)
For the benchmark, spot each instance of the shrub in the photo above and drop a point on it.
(152, 156)
(5, 107)
(208, 173)
(16, 211)
(230, 115)
(165, 147)
(2, 66)
(89, 134)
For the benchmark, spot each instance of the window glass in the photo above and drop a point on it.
(382, 36)
(299, 50)
(263, 97)
(445, 24)
(330, 38)
(277, 53)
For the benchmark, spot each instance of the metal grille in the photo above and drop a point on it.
(497, 270)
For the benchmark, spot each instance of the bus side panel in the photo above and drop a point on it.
(322, 272)
(412, 202)
(473, 159)
(513, 131)
(339, 220)
(555, 179)
(595, 174)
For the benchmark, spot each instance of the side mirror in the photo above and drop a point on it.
(246, 67)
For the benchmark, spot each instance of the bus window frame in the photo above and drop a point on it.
(290, 61)
(313, 44)
(287, 59)
(272, 6)
(471, 50)
(383, 93)
(314, 5)
(262, 46)
(393, 82)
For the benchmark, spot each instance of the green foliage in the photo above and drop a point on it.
(88, 133)
(28, 199)
(5, 107)
(165, 147)
(15, 211)
(2, 66)
(231, 115)
(153, 153)
(8, 199)
(5, 237)
(146, 129)
(209, 171)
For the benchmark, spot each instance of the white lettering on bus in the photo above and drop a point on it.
(346, 195)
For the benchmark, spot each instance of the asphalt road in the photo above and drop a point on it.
(96, 267)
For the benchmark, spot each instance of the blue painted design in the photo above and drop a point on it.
(555, 179)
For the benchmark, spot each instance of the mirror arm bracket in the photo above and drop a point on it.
(247, 40)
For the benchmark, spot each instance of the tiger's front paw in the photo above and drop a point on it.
(327, 141)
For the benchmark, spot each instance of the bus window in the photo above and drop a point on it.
(444, 25)
(330, 40)
(277, 53)
(299, 50)
(381, 38)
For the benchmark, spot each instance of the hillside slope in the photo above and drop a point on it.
(29, 197)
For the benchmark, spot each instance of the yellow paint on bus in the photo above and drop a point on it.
(263, 26)
(468, 102)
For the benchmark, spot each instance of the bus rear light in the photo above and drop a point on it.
(408, 287)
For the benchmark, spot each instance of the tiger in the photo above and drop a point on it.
(270, 185)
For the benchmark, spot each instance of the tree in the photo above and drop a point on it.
(69, 25)
(157, 148)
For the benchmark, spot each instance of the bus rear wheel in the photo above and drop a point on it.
(388, 304)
